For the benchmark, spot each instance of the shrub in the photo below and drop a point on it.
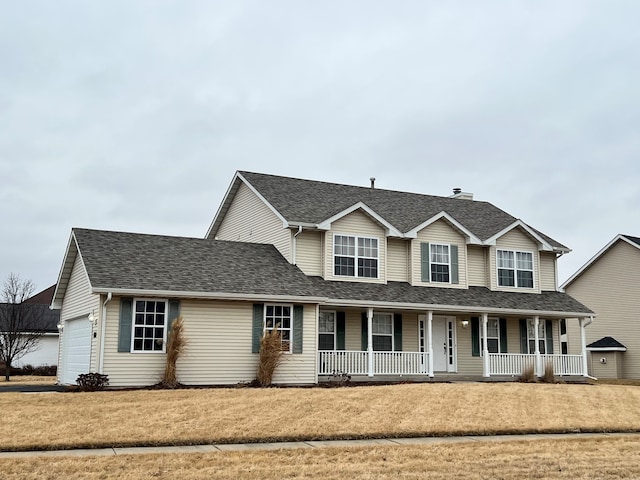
(175, 346)
(528, 375)
(90, 382)
(339, 379)
(270, 357)
(548, 376)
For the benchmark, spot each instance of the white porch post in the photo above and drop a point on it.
(583, 337)
(536, 322)
(485, 346)
(430, 342)
(370, 342)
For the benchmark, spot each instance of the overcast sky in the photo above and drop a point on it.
(134, 115)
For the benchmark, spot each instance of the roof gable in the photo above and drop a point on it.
(633, 241)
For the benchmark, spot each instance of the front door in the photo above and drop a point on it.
(443, 330)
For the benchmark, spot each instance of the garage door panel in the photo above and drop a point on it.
(77, 349)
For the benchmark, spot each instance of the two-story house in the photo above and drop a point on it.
(372, 283)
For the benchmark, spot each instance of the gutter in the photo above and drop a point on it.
(103, 331)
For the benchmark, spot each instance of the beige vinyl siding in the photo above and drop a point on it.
(218, 352)
(79, 302)
(517, 240)
(250, 220)
(410, 332)
(309, 252)
(467, 363)
(574, 339)
(361, 225)
(439, 232)
(611, 288)
(353, 330)
(547, 271)
(398, 260)
(477, 266)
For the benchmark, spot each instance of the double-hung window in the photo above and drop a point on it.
(149, 326)
(493, 335)
(531, 335)
(355, 256)
(382, 332)
(327, 331)
(278, 318)
(515, 269)
(440, 263)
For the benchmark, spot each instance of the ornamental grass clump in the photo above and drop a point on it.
(270, 357)
(175, 347)
(528, 375)
(549, 375)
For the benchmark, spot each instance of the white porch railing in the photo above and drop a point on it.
(384, 363)
(516, 363)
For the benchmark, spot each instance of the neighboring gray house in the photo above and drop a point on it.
(373, 283)
(609, 283)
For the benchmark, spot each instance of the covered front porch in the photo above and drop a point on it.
(431, 343)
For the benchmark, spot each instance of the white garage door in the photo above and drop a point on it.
(77, 348)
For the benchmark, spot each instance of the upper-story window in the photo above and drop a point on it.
(440, 263)
(515, 269)
(355, 256)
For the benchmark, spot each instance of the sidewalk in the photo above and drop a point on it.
(306, 444)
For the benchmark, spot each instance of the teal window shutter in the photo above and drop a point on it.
(340, 330)
(475, 336)
(503, 335)
(549, 332)
(364, 332)
(454, 264)
(258, 309)
(124, 332)
(174, 312)
(524, 344)
(397, 332)
(424, 262)
(298, 314)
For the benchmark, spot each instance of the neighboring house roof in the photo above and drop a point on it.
(308, 202)
(44, 297)
(633, 241)
(139, 264)
(39, 308)
(607, 344)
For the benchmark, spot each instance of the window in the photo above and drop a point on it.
(149, 325)
(493, 336)
(515, 269)
(278, 317)
(531, 336)
(382, 332)
(355, 256)
(327, 331)
(439, 260)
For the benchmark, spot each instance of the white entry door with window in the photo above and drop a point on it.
(444, 342)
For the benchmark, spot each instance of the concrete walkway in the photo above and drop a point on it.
(308, 444)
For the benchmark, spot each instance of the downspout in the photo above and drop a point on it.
(103, 331)
(294, 253)
(584, 324)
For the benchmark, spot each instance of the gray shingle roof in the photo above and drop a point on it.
(128, 261)
(310, 201)
(635, 240)
(606, 342)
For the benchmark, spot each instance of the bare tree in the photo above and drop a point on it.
(21, 322)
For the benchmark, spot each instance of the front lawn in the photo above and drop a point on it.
(198, 416)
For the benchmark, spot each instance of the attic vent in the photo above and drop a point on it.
(458, 193)
(373, 182)
(457, 190)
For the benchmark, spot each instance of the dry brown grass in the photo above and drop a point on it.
(29, 380)
(162, 417)
(176, 344)
(540, 459)
(270, 357)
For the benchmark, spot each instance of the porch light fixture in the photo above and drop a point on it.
(60, 327)
(464, 323)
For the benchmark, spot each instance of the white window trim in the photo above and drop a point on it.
(133, 324)
(542, 324)
(481, 336)
(392, 334)
(335, 329)
(448, 245)
(355, 256)
(264, 323)
(516, 269)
